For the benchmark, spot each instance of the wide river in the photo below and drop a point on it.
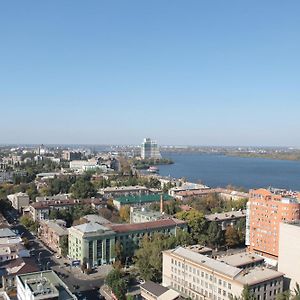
(220, 170)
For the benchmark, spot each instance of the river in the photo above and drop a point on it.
(220, 170)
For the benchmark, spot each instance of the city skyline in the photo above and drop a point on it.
(196, 73)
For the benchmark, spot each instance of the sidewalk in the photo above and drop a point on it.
(101, 272)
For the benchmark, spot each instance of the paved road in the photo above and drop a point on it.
(87, 288)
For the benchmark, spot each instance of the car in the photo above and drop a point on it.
(57, 256)
(141, 281)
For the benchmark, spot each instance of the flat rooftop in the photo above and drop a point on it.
(205, 261)
(46, 283)
(7, 232)
(142, 199)
(257, 275)
(226, 215)
(159, 224)
(241, 259)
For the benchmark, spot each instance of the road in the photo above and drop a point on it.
(87, 288)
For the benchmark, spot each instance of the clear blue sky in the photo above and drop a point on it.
(182, 72)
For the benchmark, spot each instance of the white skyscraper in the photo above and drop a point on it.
(150, 149)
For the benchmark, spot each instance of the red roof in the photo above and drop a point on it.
(147, 225)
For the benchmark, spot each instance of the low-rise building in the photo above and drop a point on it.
(154, 291)
(82, 165)
(289, 249)
(200, 277)
(51, 232)
(139, 201)
(142, 215)
(10, 269)
(112, 192)
(41, 210)
(19, 201)
(227, 218)
(9, 238)
(95, 243)
(42, 285)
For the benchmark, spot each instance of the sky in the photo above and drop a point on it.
(181, 72)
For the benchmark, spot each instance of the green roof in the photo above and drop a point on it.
(142, 198)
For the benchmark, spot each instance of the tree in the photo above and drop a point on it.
(64, 245)
(125, 213)
(286, 295)
(196, 222)
(29, 224)
(82, 188)
(232, 238)
(214, 234)
(117, 284)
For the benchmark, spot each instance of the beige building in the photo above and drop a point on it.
(18, 200)
(289, 250)
(51, 232)
(200, 277)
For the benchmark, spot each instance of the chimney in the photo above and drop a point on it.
(161, 204)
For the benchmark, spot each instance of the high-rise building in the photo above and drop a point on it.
(289, 249)
(150, 149)
(265, 210)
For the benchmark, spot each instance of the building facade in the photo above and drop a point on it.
(52, 232)
(95, 243)
(265, 212)
(289, 249)
(199, 277)
(42, 285)
(19, 201)
(150, 149)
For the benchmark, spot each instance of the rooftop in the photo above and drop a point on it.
(123, 188)
(46, 283)
(67, 202)
(257, 275)
(226, 215)
(150, 213)
(6, 232)
(142, 199)
(54, 225)
(96, 219)
(205, 261)
(91, 227)
(241, 259)
(147, 225)
(154, 288)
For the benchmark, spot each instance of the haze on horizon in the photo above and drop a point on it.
(181, 72)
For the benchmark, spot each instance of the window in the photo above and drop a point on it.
(229, 286)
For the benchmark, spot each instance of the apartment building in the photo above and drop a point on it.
(227, 218)
(289, 250)
(41, 210)
(150, 149)
(200, 277)
(19, 201)
(265, 211)
(51, 232)
(111, 192)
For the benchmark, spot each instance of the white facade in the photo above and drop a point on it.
(150, 149)
(19, 200)
(289, 250)
(199, 277)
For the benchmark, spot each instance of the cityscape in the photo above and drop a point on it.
(149, 150)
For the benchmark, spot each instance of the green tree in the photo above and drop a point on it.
(215, 235)
(29, 224)
(196, 222)
(83, 188)
(232, 238)
(64, 245)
